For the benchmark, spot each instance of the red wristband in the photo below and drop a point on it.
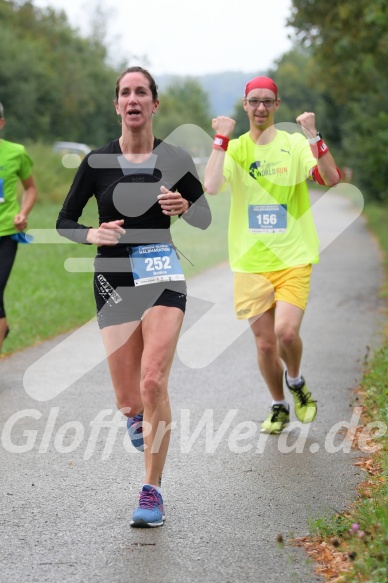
(319, 149)
(220, 142)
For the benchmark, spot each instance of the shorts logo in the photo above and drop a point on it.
(108, 289)
(243, 312)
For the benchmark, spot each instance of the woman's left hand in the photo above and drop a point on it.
(172, 203)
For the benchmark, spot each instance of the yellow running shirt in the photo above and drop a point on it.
(270, 225)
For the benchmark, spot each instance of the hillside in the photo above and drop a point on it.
(224, 89)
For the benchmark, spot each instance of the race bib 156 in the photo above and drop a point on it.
(267, 218)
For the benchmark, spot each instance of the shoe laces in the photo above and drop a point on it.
(304, 397)
(277, 409)
(136, 426)
(149, 499)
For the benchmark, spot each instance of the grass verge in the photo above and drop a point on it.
(353, 546)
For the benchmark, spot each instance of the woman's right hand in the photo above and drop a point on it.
(107, 233)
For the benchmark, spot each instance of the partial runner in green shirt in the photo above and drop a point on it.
(15, 165)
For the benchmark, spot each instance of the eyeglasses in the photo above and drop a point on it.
(254, 102)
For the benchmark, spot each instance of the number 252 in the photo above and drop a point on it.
(157, 263)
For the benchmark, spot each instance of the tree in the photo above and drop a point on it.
(54, 83)
(184, 103)
(349, 41)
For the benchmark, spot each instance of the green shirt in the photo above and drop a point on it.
(15, 165)
(270, 224)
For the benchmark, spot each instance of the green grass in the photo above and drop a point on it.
(367, 543)
(42, 298)
(52, 178)
(377, 216)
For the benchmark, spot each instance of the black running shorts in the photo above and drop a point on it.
(119, 301)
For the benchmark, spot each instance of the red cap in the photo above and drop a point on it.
(261, 83)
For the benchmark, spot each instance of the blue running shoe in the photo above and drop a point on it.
(150, 512)
(135, 431)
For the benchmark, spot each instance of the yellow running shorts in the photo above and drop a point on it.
(255, 293)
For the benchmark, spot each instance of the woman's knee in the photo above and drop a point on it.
(153, 386)
(129, 406)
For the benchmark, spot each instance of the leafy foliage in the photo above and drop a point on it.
(349, 42)
(57, 85)
(54, 84)
(182, 102)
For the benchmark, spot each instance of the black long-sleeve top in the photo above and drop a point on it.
(128, 191)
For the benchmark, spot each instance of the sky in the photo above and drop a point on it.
(192, 37)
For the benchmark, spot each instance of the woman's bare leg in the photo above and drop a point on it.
(161, 327)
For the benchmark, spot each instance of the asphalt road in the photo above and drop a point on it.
(69, 485)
